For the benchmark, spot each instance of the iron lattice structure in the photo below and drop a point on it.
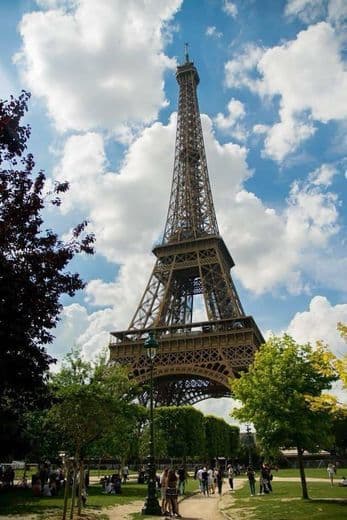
(195, 360)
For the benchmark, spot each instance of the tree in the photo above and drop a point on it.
(222, 439)
(183, 428)
(33, 274)
(90, 400)
(342, 363)
(282, 395)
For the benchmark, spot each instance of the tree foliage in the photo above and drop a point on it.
(342, 363)
(90, 400)
(222, 439)
(183, 428)
(282, 394)
(33, 275)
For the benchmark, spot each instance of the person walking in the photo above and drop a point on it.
(251, 479)
(331, 472)
(220, 476)
(182, 477)
(204, 481)
(231, 474)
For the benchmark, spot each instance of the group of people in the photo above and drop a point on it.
(209, 479)
(112, 485)
(47, 482)
(265, 479)
(171, 484)
(6, 476)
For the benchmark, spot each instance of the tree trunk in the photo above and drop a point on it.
(73, 492)
(302, 474)
(66, 491)
(80, 487)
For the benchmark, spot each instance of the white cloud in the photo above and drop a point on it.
(323, 175)
(230, 8)
(307, 10)
(241, 71)
(90, 332)
(310, 11)
(293, 72)
(337, 12)
(110, 49)
(230, 122)
(319, 323)
(212, 31)
(127, 210)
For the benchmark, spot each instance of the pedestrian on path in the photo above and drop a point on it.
(251, 479)
(220, 476)
(172, 493)
(204, 481)
(231, 477)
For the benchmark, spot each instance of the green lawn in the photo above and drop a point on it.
(21, 501)
(285, 503)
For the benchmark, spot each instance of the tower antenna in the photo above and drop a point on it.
(186, 46)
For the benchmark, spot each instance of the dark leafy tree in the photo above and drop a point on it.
(183, 428)
(222, 439)
(33, 271)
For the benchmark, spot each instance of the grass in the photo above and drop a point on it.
(21, 501)
(285, 503)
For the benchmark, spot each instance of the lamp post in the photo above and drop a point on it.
(249, 444)
(151, 506)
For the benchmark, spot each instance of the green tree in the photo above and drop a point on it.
(282, 395)
(342, 363)
(184, 430)
(33, 274)
(222, 439)
(90, 400)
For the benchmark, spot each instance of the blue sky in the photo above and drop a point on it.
(273, 95)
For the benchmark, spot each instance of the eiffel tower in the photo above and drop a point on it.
(195, 359)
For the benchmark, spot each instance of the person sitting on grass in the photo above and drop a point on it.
(343, 482)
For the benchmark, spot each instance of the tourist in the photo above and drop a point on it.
(199, 477)
(331, 472)
(181, 479)
(251, 479)
(204, 481)
(125, 474)
(211, 481)
(220, 475)
(163, 486)
(231, 474)
(172, 492)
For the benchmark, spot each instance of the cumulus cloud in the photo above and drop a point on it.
(127, 211)
(231, 122)
(89, 332)
(293, 72)
(319, 323)
(310, 11)
(307, 10)
(323, 175)
(110, 49)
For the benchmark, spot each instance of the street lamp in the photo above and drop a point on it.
(151, 506)
(249, 444)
